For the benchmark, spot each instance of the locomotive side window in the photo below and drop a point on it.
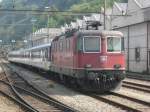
(68, 44)
(80, 44)
(91, 44)
(114, 44)
(122, 44)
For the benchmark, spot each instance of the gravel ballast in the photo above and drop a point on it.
(8, 106)
(67, 96)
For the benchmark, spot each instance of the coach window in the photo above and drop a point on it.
(46, 53)
(137, 54)
(114, 44)
(91, 44)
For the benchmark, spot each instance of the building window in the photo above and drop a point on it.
(137, 54)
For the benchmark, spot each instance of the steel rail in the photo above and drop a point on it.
(136, 88)
(114, 103)
(137, 84)
(15, 99)
(43, 95)
(16, 93)
(121, 105)
(130, 98)
(138, 77)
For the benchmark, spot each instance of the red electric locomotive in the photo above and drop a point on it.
(91, 59)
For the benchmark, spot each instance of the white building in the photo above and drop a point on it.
(44, 35)
(135, 26)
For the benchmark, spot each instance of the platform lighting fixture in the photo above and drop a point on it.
(33, 20)
(48, 16)
(47, 7)
(33, 24)
(13, 41)
(25, 41)
(1, 41)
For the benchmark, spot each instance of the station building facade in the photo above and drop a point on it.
(44, 36)
(135, 25)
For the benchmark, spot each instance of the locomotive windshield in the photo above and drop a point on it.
(114, 44)
(91, 44)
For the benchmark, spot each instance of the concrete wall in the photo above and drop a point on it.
(138, 38)
(137, 35)
(133, 5)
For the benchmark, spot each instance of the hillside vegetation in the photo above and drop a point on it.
(18, 25)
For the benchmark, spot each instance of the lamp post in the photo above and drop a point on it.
(48, 16)
(104, 14)
(13, 42)
(33, 25)
(13, 4)
(1, 43)
(25, 43)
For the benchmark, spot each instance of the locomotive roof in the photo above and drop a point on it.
(103, 33)
(100, 33)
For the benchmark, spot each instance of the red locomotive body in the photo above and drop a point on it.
(92, 59)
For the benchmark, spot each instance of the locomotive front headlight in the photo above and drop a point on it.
(103, 58)
(88, 66)
(117, 66)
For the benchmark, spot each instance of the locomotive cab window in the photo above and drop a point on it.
(91, 44)
(114, 44)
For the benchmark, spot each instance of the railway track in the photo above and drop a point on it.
(35, 99)
(138, 76)
(124, 102)
(5, 89)
(136, 86)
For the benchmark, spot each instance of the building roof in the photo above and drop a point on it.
(122, 7)
(46, 32)
(146, 3)
(137, 11)
(73, 25)
(80, 23)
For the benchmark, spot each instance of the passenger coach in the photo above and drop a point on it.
(39, 56)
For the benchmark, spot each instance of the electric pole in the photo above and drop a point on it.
(104, 14)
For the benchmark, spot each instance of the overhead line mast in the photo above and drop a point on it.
(104, 14)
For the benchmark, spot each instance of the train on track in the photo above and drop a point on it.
(90, 59)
